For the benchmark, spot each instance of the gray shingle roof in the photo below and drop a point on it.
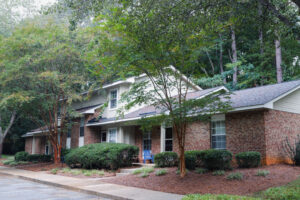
(261, 95)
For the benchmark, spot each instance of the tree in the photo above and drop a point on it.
(46, 63)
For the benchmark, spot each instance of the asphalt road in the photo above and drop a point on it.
(12, 188)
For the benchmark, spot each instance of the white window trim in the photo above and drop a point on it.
(109, 99)
(217, 118)
(114, 128)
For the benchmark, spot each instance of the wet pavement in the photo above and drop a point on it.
(12, 188)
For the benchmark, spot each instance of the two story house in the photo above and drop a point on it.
(261, 120)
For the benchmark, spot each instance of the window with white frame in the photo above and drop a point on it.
(113, 99)
(218, 134)
(112, 135)
(169, 139)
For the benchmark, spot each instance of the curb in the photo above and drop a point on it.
(99, 194)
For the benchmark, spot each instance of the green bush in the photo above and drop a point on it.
(216, 197)
(161, 172)
(235, 176)
(263, 173)
(201, 170)
(144, 175)
(166, 159)
(248, 159)
(218, 173)
(144, 170)
(21, 156)
(217, 159)
(194, 159)
(64, 152)
(39, 158)
(102, 156)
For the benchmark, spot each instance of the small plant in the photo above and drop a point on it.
(178, 171)
(66, 170)
(54, 171)
(75, 172)
(218, 173)
(87, 172)
(7, 162)
(144, 169)
(263, 173)
(144, 175)
(161, 172)
(201, 170)
(235, 176)
(97, 172)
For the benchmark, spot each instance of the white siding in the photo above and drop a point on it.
(289, 103)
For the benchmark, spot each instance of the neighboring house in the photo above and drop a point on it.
(261, 119)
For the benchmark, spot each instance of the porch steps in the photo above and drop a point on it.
(122, 174)
(143, 165)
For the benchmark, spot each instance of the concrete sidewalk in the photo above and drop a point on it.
(90, 186)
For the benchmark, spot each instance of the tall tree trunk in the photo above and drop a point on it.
(182, 161)
(278, 60)
(221, 58)
(234, 55)
(4, 134)
(261, 36)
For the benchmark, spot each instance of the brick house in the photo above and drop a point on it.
(261, 119)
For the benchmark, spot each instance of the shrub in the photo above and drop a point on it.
(144, 170)
(217, 159)
(39, 158)
(21, 156)
(64, 152)
(102, 156)
(194, 159)
(218, 173)
(54, 171)
(262, 173)
(216, 197)
(248, 159)
(235, 176)
(144, 175)
(201, 170)
(166, 159)
(161, 172)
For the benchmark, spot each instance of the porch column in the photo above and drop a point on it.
(162, 137)
(121, 135)
(33, 145)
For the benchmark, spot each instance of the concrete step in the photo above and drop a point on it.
(122, 174)
(143, 165)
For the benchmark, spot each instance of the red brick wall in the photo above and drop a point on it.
(245, 132)
(28, 144)
(91, 134)
(278, 126)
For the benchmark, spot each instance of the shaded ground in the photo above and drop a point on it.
(207, 183)
(16, 189)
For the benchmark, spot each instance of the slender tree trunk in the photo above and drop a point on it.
(278, 60)
(221, 59)
(4, 134)
(261, 36)
(182, 161)
(234, 55)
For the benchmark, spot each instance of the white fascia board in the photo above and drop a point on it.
(129, 80)
(92, 110)
(217, 90)
(113, 122)
(284, 95)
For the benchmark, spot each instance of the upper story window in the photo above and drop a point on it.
(218, 134)
(81, 131)
(113, 98)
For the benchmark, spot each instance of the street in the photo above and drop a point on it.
(12, 188)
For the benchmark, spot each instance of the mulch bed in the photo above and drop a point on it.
(207, 183)
(36, 167)
(106, 174)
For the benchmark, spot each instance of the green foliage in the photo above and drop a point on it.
(21, 156)
(217, 197)
(217, 159)
(166, 159)
(263, 173)
(201, 170)
(143, 170)
(54, 171)
(144, 175)
(194, 159)
(14, 163)
(235, 176)
(39, 158)
(248, 159)
(102, 156)
(161, 172)
(218, 173)
(64, 151)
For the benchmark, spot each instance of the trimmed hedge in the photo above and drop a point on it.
(166, 159)
(102, 156)
(217, 159)
(39, 158)
(248, 159)
(21, 156)
(194, 159)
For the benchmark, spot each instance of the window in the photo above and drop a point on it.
(169, 139)
(147, 141)
(112, 137)
(69, 133)
(113, 98)
(218, 135)
(81, 131)
(103, 136)
(47, 149)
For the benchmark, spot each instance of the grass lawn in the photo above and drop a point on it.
(290, 191)
(8, 157)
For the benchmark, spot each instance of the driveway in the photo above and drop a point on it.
(18, 189)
